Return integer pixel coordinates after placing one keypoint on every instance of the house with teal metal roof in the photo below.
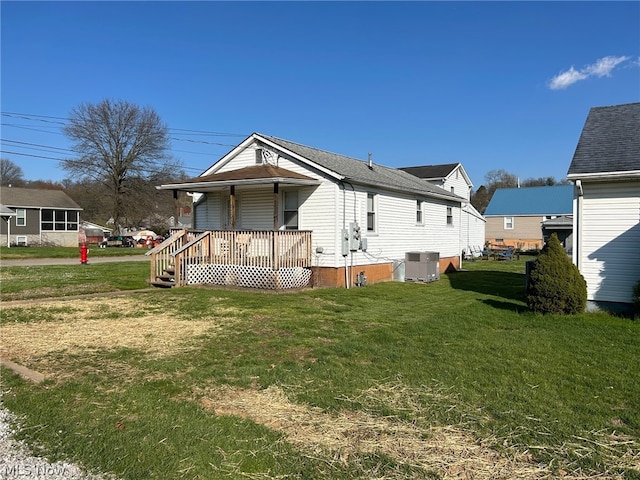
(515, 216)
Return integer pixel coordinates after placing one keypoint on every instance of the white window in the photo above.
(449, 216)
(21, 217)
(290, 211)
(418, 212)
(371, 212)
(508, 223)
(452, 189)
(258, 156)
(21, 241)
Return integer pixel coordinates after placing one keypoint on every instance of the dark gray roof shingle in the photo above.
(431, 171)
(609, 142)
(358, 171)
(35, 197)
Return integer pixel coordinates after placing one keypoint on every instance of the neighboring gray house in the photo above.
(606, 173)
(453, 178)
(42, 217)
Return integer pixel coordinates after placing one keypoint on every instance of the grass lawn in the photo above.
(15, 253)
(394, 380)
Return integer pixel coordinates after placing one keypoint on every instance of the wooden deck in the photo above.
(257, 250)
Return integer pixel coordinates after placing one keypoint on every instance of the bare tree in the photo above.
(118, 144)
(10, 173)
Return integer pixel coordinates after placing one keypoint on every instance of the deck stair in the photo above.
(166, 279)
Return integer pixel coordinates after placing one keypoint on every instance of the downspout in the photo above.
(460, 235)
(577, 220)
(344, 222)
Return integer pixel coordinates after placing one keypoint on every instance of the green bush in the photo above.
(555, 283)
(636, 298)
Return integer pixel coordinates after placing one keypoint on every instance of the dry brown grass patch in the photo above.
(448, 450)
(79, 325)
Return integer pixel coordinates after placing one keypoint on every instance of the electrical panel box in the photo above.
(422, 266)
(345, 242)
(354, 240)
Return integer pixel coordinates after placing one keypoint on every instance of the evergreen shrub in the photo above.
(555, 283)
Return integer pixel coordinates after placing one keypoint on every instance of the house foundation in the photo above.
(375, 273)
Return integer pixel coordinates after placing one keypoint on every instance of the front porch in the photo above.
(270, 259)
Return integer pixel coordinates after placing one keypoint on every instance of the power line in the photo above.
(47, 119)
(54, 124)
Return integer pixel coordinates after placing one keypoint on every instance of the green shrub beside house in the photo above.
(555, 283)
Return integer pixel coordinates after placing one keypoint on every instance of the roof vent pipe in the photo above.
(370, 162)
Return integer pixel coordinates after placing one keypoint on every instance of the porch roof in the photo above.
(253, 175)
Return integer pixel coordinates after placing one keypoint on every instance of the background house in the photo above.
(42, 217)
(93, 233)
(453, 178)
(267, 183)
(515, 216)
(606, 172)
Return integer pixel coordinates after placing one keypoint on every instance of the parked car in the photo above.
(118, 241)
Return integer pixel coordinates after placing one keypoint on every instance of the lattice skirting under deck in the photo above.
(250, 277)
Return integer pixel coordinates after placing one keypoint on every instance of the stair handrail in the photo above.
(190, 244)
(167, 241)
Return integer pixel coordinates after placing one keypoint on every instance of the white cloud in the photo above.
(601, 68)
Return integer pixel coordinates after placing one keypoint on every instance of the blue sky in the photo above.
(496, 85)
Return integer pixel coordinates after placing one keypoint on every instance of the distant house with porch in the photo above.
(516, 216)
(605, 170)
(453, 178)
(339, 215)
(42, 217)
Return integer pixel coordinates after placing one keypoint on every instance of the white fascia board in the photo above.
(600, 176)
(302, 159)
(211, 186)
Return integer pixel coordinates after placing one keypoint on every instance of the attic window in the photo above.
(258, 156)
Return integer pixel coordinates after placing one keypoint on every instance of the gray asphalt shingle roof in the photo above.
(358, 171)
(35, 197)
(609, 142)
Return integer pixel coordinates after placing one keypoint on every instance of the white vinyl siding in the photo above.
(610, 228)
(207, 213)
(458, 183)
(254, 209)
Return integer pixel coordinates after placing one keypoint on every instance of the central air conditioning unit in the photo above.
(421, 266)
